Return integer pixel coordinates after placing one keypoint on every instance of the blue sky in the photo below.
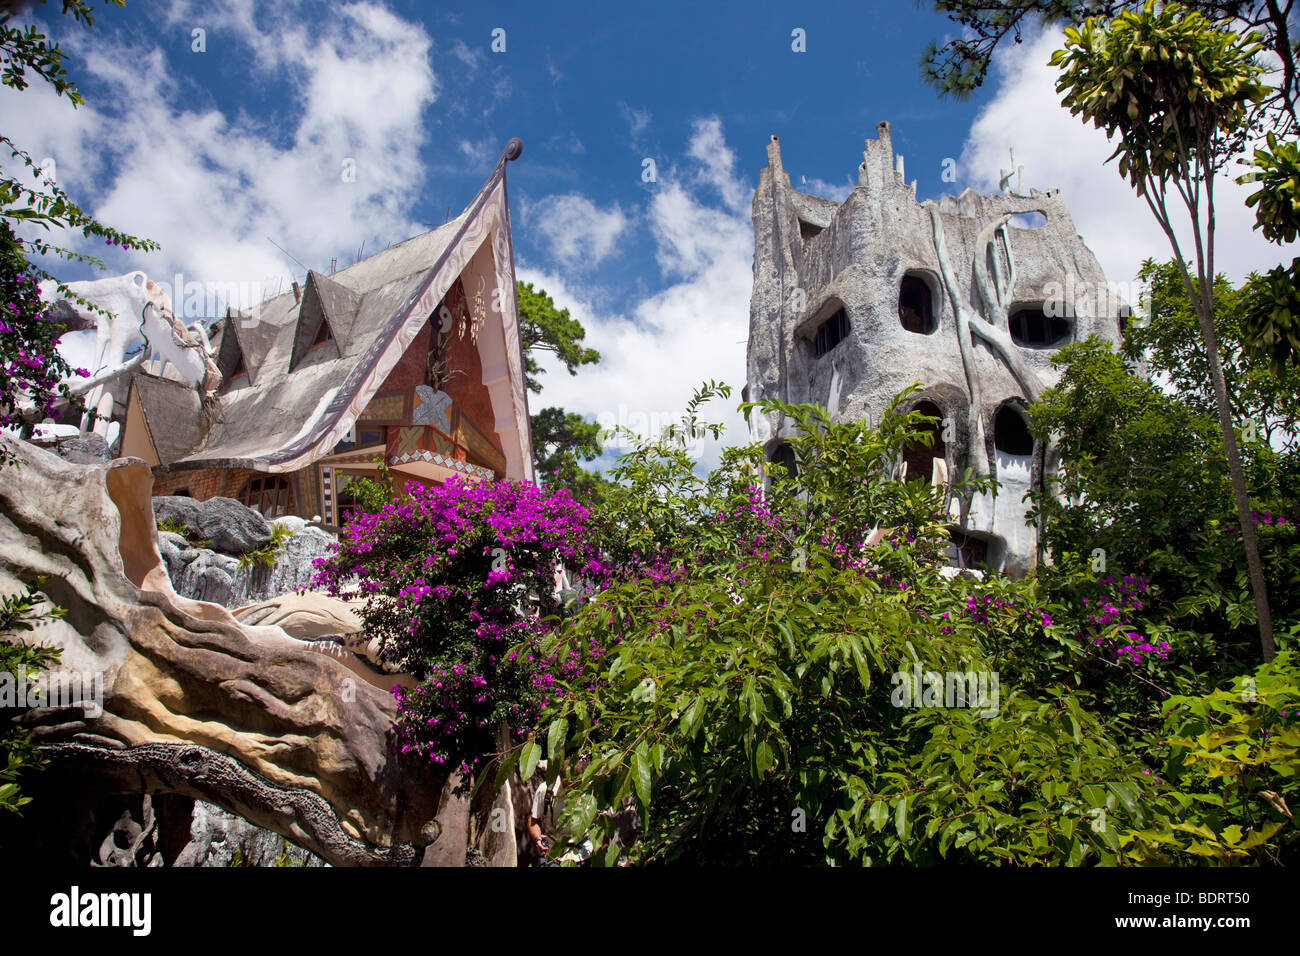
(211, 152)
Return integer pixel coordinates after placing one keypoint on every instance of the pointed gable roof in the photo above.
(373, 311)
(231, 360)
(326, 315)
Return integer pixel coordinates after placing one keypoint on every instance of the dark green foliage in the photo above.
(545, 328)
(20, 662)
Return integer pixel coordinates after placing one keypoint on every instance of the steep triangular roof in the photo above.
(302, 404)
(231, 360)
(325, 317)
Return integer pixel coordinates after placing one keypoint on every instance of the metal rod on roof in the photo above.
(361, 250)
(285, 251)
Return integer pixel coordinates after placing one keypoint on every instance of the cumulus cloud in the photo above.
(717, 161)
(820, 187)
(580, 234)
(212, 187)
(1059, 150)
(692, 329)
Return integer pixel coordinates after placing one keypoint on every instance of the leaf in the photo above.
(555, 738)
(763, 757)
(901, 823)
(643, 772)
(503, 772)
(528, 758)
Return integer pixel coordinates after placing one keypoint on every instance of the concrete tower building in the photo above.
(971, 296)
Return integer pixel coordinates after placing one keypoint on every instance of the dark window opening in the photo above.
(271, 496)
(182, 493)
(347, 502)
(966, 551)
(322, 333)
(915, 307)
(783, 455)
(807, 230)
(831, 333)
(1011, 434)
(1034, 328)
(370, 436)
(918, 457)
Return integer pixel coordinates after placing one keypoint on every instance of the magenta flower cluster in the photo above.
(31, 370)
(1115, 606)
(460, 582)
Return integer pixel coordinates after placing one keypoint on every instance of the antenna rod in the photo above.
(284, 250)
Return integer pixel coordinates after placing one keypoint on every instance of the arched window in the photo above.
(916, 306)
(1011, 433)
(1033, 328)
(783, 455)
(830, 333)
(918, 457)
(966, 550)
(271, 495)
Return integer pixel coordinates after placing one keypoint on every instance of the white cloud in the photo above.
(1060, 150)
(820, 187)
(638, 121)
(710, 147)
(211, 187)
(579, 233)
(693, 329)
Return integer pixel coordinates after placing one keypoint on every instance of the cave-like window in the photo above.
(1033, 328)
(831, 333)
(966, 550)
(1011, 434)
(783, 455)
(919, 458)
(807, 230)
(916, 306)
(272, 496)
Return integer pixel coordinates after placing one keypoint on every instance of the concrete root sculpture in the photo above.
(995, 291)
(196, 703)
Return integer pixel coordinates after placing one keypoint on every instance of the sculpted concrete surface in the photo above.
(984, 275)
(196, 703)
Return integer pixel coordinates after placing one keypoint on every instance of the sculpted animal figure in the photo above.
(140, 309)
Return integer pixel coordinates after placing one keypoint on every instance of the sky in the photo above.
(256, 140)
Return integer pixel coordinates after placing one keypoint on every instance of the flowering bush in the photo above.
(744, 693)
(459, 582)
(31, 369)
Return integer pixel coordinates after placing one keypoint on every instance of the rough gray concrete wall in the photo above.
(812, 255)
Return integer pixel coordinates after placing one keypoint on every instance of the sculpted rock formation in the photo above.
(196, 702)
(223, 522)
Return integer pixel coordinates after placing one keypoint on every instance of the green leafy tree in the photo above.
(561, 440)
(30, 367)
(1144, 494)
(741, 682)
(960, 65)
(19, 662)
(1168, 341)
(1232, 765)
(1177, 90)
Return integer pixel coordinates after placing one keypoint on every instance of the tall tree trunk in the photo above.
(1205, 315)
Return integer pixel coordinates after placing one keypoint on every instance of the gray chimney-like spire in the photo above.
(774, 153)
